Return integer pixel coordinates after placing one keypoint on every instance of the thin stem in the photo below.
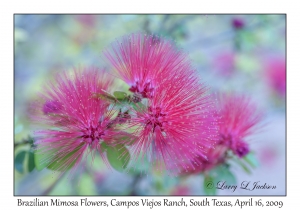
(136, 180)
(24, 142)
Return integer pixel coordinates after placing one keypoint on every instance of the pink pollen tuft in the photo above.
(239, 119)
(51, 107)
(77, 123)
(145, 61)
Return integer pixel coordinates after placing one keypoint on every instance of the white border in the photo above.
(8, 8)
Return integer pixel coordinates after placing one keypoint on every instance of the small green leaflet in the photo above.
(251, 160)
(62, 163)
(39, 160)
(243, 165)
(209, 185)
(118, 156)
(31, 164)
(105, 96)
(120, 95)
(19, 159)
(223, 173)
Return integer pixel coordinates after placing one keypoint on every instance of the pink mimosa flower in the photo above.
(239, 119)
(175, 127)
(75, 122)
(144, 61)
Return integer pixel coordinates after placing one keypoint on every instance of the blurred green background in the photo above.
(239, 53)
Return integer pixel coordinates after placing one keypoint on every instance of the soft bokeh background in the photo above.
(239, 53)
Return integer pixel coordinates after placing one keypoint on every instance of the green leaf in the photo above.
(105, 96)
(117, 156)
(19, 160)
(120, 95)
(209, 185)
(229, 177)
(31, 164)
(39, 160)
(103, 147)
(244, 166)
(65, 162)
(246, 169)
(223, 173)
(251, 160)
(30, 141)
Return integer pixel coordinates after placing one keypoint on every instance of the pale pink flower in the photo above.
(239, 120)
(275, 72)
(144, 61)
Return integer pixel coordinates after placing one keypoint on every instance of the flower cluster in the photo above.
(174, 126)
(170, 119)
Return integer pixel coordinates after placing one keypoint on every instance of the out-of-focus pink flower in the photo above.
(75, 122)
(239, 119)
(181, 190)
(87, 20)
(238, 23)
(51, 107)
(267, 156)
(275, 72)
(99, 177)
(224, 63)
(144, 61)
